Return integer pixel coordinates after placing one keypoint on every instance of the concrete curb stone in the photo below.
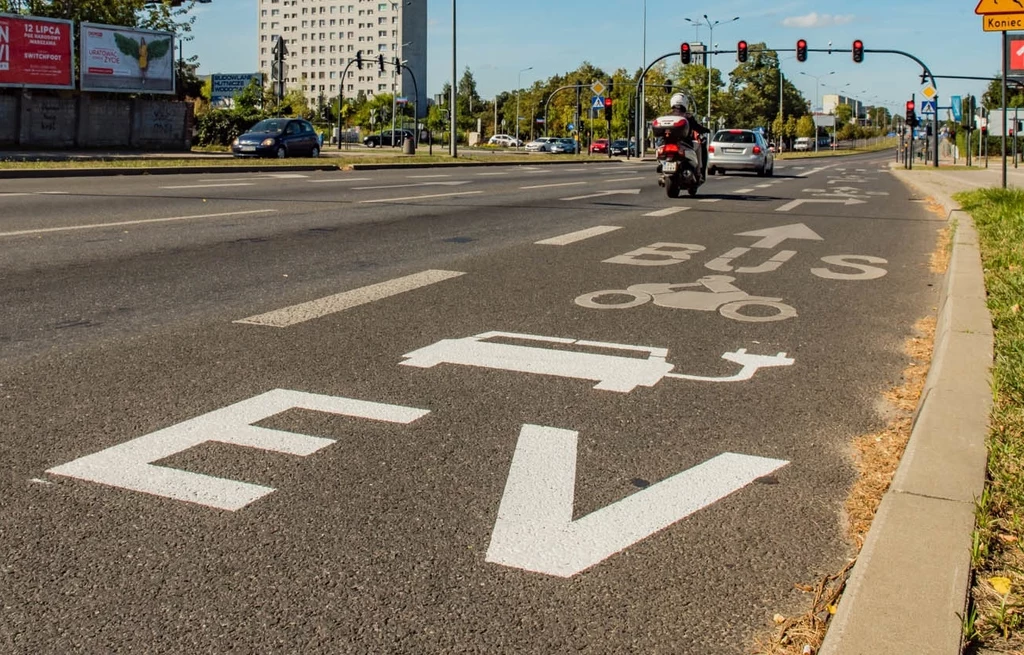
(908, 590)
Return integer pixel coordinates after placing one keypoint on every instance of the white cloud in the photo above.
(814, 19)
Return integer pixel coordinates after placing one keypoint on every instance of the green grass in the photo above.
(998, 543)
(888, 144)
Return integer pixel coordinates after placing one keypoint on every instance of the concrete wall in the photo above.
(43, 120)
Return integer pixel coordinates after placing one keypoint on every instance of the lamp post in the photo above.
(817, 82)
(707, 56)
(453, 110)
(519, 78)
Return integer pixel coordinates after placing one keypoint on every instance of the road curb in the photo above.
(908, 589)
(107, 171)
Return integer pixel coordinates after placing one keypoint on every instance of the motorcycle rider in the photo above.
(680, 102)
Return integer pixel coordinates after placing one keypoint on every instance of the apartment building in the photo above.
(323, 36)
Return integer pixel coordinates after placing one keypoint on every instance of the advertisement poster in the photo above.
(224, 87)
(36, 52)
(122, 59)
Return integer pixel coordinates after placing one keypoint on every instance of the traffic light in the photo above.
(741, 52)
(858, 51)
(610, 84)
(911, 116)
(359, 60)
(801, 50)
(684, 53)
(668, 86)
(380, 62)
(607, 109)
(398, 64)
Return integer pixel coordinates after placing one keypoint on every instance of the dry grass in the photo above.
(876, 457)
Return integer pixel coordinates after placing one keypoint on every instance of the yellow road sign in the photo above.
(999, 7)
(597, 88)
(1002, 22)
(928, 92)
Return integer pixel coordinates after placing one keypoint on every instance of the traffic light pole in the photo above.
(1005, 58)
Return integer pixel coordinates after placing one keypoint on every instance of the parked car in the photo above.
(740, 150)
(564, 146)
(623, 148)
(278, 137)
(504, 140)
(599, 146)
(388, 138)
(803, 144)
(541, 144)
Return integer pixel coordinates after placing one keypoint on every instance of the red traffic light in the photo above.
(684, 53)
(801, 50)
(741, 51)
(607, 102)
(858, 51)
(910, 105)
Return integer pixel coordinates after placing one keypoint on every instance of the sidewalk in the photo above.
(908, 590)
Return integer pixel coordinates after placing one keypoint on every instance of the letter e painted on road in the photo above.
(658, 254)
(130, 465)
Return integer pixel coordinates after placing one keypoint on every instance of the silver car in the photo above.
(541, 144)
(740, 150)
(564, 145)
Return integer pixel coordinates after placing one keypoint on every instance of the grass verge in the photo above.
(995, 619)
(888, 144)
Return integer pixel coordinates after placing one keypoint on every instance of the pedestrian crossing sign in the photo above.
(598, 102)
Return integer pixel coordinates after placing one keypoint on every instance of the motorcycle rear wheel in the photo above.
(672, 187)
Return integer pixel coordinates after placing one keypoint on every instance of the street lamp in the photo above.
(817, 83)
(707, 50)
(452, 109)
(519, 78)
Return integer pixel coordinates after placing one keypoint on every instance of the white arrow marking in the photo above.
(406, 186)
(799, 201)
(599, 194)
(535, 530)
(773, 236)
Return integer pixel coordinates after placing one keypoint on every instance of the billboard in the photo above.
(36, 52)
(224, 87)
(123, 59)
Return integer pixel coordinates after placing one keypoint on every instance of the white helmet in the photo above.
(681, 101)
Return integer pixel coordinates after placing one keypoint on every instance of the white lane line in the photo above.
(410, 186)
(208, 186)
(308, 311)
(434, 195)
(424, 177)
(353, 179)
(668, 211)
(13, 194)
(743, 191)
(763, 186)
(625, 179)
(52, 193)
(490, 174)
(141, 221)
(548, 186)
(571, 170)
(573, 237)
(710, 200)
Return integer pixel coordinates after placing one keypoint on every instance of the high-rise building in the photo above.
(323, 36)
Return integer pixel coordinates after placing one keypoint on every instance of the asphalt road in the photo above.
(392, 411)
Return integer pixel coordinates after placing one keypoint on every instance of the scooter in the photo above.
(678, 156)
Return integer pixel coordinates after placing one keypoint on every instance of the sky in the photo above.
(498, 39)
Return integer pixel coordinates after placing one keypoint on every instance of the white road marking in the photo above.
(743, 191)
(548, 186)
(763, 186)
(668, 211)
(573, 237)
(625, 179)
(287, 176)
(409, 186)
(13, 194)
(53, 193)
(353, 179)
(710, 200)
(490, 174)
(435, 195)
(793, 204)
(850, 261)
(313, 309)
(424, 177)
(130, 465)
(141, 221)
(773, 236)
(535, 531)
(599, 194)
(572, 170)
(208, 186)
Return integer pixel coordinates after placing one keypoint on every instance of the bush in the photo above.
(219, 127)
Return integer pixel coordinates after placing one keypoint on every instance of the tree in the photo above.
(805, 127)
(250, 98)
(844, 114)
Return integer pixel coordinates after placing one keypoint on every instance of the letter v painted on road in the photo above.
(535, 530)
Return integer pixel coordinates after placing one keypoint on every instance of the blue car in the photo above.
(278, 137)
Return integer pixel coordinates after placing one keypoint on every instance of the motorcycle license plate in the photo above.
(669, 167)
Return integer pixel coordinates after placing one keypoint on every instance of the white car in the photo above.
(504, 140)
(541, 144)
(804, 144)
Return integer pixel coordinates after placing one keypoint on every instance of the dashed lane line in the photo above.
(625, 179)
(668, 211)
(333, 180)
(710, 200)
(427, 197)
(573, 237)
(338, 302)
(549, 186)
(208, 186)
(142, 221)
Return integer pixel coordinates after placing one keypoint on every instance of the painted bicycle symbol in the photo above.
(708, 294)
